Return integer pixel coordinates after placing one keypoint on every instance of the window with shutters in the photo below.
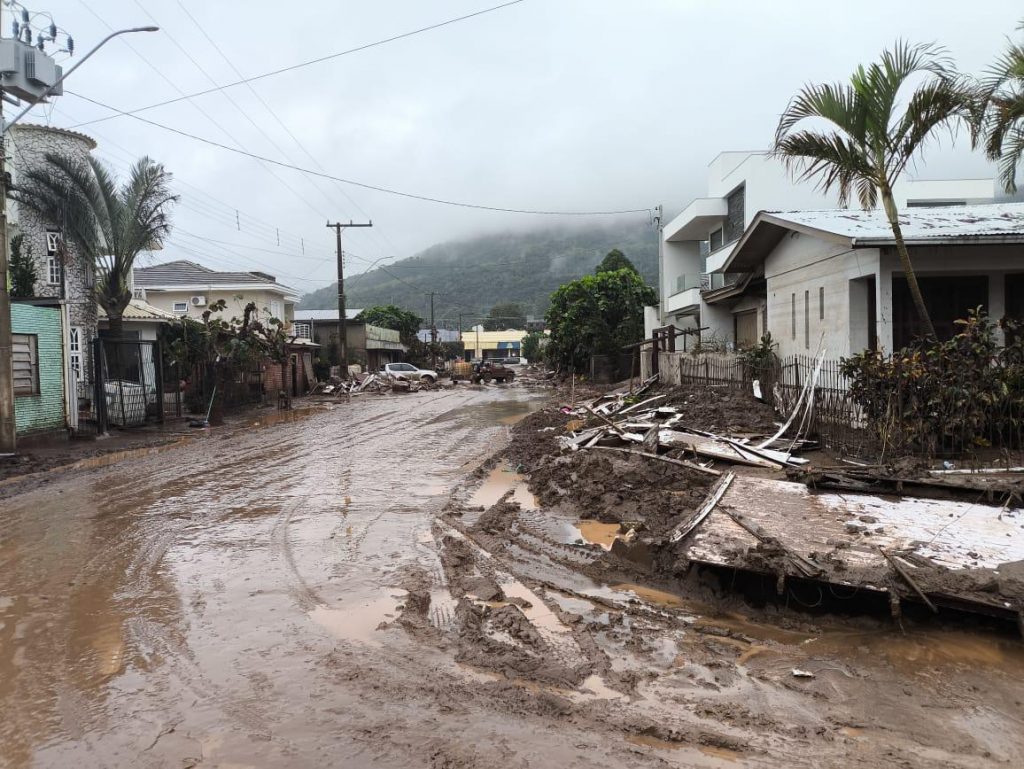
(25, 362)
(53, 271)
(75, 351)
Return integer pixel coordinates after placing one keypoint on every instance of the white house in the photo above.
(833, 278)
(700, 286)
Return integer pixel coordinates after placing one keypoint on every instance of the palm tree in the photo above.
(1003, 120)
(110, 224)
(876, 126)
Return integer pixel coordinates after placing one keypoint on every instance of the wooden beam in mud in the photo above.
(683, 529)
(679, 462)
(908, 579)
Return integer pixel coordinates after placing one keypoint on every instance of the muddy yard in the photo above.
(373, 586)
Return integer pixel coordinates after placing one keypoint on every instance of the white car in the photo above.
(410, 372)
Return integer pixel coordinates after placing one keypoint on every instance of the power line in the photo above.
(354, 183)
(319, 60)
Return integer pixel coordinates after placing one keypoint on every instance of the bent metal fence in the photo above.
(841, 424)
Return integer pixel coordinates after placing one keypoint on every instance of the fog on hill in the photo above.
(470, 276)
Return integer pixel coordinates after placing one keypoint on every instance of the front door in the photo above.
(746, 329)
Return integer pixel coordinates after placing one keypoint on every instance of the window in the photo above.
(75, 351)
(25, 362)
(181, 307)
(821, 303)
(807, 320)
(734, 218)
(275, 309)
(303, 330)
(53, 271)
(716, 239)
(792, 299)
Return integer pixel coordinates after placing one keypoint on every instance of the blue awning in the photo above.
(508, 345)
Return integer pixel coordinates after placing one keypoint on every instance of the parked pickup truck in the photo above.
(492, 370)
(410, 372)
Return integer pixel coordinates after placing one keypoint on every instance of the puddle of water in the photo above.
(917, 651)
(358, 619)
(499, 482)
(722, 753)
(648, 741)
(650, 594)
(598, 533)
(539, 615)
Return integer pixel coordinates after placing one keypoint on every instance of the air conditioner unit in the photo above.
(198, 301)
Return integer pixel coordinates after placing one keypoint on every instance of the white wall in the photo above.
(804, 266)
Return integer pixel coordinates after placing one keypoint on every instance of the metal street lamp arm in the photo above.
(78, 64)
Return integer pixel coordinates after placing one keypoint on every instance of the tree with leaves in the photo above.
(110, 224)
(596, 315)
(533, 344)
(615, 260)
(875, 125)
(22, 268)
(504, 316)
(391, 316)
(1002, 120)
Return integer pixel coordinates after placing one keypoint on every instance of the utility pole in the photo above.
(342, 342)
(433, 335)
(8, 427)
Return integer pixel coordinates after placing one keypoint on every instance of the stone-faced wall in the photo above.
(27, 147)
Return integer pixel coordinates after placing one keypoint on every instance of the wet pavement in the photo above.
(283, 597)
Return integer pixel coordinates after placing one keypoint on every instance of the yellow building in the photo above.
(492, 344)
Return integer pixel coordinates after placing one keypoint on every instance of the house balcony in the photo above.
(717, 258)
(697, 219)
(686, 294)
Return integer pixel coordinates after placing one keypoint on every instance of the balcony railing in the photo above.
(687, 282)
(716, 280)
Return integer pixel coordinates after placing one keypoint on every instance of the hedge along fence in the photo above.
(881, 407)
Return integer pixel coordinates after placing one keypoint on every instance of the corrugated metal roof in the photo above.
(325, 314)
(140, 310)
(185, 273)
(990, 220)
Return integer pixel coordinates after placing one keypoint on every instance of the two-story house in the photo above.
(187, 289)
(701, 287)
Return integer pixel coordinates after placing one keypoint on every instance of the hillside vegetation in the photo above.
(470, 276)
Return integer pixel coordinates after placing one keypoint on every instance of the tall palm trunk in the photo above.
(908, 269)
(115, 325)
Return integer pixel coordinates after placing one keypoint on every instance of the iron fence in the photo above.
(128, 385)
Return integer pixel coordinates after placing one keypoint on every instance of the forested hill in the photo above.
(471, 276)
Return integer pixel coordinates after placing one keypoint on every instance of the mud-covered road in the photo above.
(290, 597)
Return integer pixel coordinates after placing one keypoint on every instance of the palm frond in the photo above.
(941, 103)
(830, 159)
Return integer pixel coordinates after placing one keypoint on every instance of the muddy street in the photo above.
(364, 588)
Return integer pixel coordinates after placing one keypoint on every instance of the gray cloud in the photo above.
(548, 104)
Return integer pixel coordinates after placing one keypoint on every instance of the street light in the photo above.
(78, 64)
(8, 428)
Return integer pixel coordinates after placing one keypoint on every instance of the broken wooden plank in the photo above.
(642, 403)
(683, 529)
(679, 462)
(908, 579)
(806, 567)
(713, 448)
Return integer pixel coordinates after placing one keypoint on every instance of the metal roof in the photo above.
(325, 314)
(917, 223)
(992, 223)
(142, 311)
(184, 273)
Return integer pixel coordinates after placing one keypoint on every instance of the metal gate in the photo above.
(129, 383)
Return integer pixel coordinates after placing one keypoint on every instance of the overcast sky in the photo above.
(545, 104)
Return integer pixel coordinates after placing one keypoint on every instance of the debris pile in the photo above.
(370, 382)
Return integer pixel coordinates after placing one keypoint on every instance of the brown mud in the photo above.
(325, 593)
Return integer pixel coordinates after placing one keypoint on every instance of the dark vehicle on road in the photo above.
(492, 370)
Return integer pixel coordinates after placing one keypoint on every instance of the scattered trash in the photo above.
(798, 673)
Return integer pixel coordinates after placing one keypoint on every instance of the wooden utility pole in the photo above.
(433, 335)
(342, 342)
